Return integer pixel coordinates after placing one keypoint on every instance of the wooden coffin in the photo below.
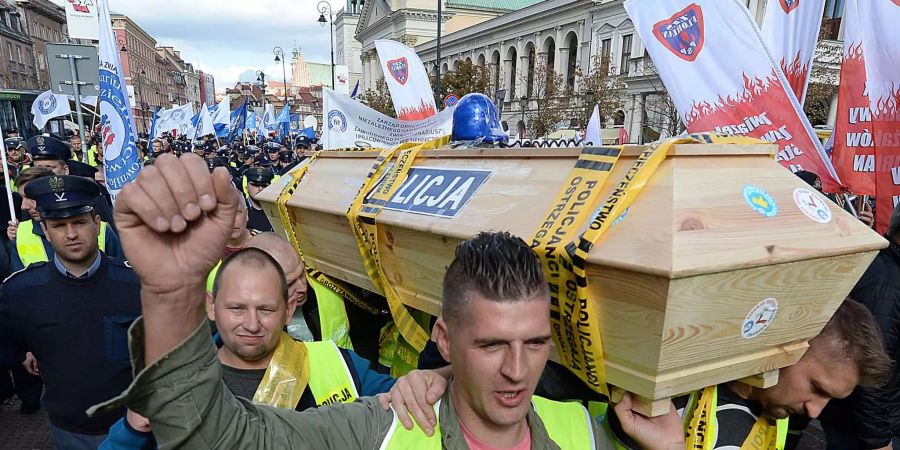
(674, 282)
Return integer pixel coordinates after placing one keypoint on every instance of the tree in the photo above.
(549, 94)
(379, 98)
(467, 78)
(598, 87)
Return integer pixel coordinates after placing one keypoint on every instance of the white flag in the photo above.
(790, 31)
(121, 159)
(204, 123)
(407, 80)
(592, 133)
(349, 123)
(177, 118)
(47, 106)
(223, 111)
(715, 66)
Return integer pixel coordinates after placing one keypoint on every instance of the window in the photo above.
(831, 23)
(19, 53)
(9, 51)
(626, 53)
(605, 48)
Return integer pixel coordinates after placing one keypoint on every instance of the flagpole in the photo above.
(9, 197)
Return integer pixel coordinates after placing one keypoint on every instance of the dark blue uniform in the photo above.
(77, 330)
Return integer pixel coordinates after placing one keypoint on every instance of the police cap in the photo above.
(44, 146)
(81, 169)
(62, 196)
(12, 143)
(259, 176)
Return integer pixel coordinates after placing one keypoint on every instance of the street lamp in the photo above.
(279, 57)
(523, 102)
(324, 7)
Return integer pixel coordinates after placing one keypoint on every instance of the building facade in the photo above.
(207, 88)
(144, 77)
(19, 85)
(46, 23)
(414, 22)
(347, 49)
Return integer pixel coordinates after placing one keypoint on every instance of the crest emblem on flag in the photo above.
(790, 5)
(399, 69)
(682, 33)
(47, 105)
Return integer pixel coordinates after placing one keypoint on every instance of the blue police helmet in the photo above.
(475, 118)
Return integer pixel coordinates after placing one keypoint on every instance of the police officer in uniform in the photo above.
(29, 243)
(53, 153)
(258, 178)
(73, 312)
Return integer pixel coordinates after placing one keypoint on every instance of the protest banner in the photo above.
(790, 31)
(407, 80)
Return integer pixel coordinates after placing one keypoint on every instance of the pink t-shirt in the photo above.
(475, 444)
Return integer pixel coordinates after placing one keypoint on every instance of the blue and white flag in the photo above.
(283, 121)
(355, 90)
(204, 124)
(153, 124)
(47, 106)
(222, 111)
(121, 158)
(268, 119)
(238, 123)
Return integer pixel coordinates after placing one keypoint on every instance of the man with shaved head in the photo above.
(325, 314)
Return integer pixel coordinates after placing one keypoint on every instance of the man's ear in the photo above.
(43, 227)
(441, 337)
(210, 307)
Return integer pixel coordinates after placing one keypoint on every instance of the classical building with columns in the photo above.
(414, 22)
(567, 35)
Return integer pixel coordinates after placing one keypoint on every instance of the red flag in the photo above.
(878, 20)
(854, 152)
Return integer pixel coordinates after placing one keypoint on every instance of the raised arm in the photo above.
(173, 223)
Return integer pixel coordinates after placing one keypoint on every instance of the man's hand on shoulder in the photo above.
(174, 220)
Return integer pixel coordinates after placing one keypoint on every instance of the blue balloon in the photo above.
(475, 118)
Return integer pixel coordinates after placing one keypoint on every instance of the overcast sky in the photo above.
(232, 39)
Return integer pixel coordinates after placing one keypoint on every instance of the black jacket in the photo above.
(873, 415)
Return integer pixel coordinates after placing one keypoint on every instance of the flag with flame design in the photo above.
(711, 57)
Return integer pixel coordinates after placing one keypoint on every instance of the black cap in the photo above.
(62, 196)
(272, 147)
(259, 176)
(263, 161)
(218, 161)
(45, 146)
(80, 169)
(285, 157)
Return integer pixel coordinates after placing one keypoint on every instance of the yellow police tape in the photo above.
(576, 329)
(700, 425)
(286, 376)
(368, 203)
(337, 286)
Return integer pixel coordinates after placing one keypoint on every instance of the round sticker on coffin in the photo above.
(812, 205)
(760, 200)
(759, 318)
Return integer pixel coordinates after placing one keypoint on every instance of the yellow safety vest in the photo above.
(30, 246)
(296, 365)
(92, 156)
(332, 315)
(330, 380)
(567, 424)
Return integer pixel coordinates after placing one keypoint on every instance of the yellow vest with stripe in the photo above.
(30, 246)
(568, 425)
(332, 314)
(330, 380)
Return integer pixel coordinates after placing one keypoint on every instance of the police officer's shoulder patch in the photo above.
(120, 269)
